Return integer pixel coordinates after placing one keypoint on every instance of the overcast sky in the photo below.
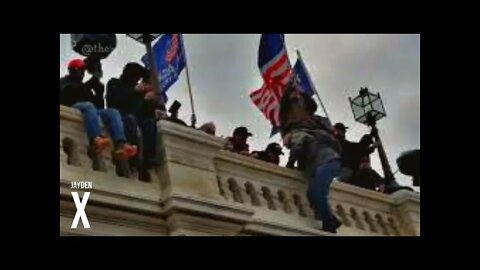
(223, 71)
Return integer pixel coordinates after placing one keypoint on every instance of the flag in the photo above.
(303, 78)
(170, 59)
(275, 68)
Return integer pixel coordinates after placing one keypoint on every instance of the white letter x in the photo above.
(80, 210)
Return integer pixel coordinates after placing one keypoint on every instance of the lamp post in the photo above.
(147, 39)
(94, 47)
(367, 109)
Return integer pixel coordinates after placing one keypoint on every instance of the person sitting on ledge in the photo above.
(352, 152)
(271, 154)
(366, 177)
(76, 94)
(140, 108)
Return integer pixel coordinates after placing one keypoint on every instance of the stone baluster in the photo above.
(221, 187)
(298, 203)
(356, 219)
(269, 198)
(393, 226)
(370, 222)
(253, 194)
(63, 154)
(70, 147)
(285, 202)
(235, 190)
(343, 215)
(382, 224)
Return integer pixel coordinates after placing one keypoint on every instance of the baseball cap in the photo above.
(77, 64)
(242, 131)
(275, 148)
(341, 126)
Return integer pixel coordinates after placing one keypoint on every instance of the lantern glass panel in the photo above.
(357, 111)
(378, 106)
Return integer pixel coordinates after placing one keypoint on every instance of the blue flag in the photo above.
(303, 79)
(170, 59)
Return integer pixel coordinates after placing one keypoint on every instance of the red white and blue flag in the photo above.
(170, 59)
(276, 72)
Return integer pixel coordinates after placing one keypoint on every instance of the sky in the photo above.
(223, 71)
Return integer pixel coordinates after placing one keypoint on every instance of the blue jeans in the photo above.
(110, 117)
(319, 189)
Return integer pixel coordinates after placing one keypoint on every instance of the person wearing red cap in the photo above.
(74, 93)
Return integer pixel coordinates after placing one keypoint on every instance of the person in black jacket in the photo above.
(271, 154)
(74, 93)
(140, 109)
(352, 153)
(366, 177)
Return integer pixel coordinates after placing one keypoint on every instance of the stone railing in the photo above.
(200, 189)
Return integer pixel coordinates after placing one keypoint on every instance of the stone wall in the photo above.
(199, 189)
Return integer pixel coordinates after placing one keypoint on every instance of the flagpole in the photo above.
(313, 86)
(194, 118)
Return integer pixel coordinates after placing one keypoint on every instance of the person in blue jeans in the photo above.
(314, 148)
(140, 108)
(76, 94)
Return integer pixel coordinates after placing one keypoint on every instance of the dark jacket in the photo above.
(232, 146)
(263, 155)
(366, 178)
(123, 97)
(353, 152)
(72, 92)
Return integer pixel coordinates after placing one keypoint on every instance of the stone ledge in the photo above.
(270, 228)
(219, 209)
(250, 162)
(110, 183)
(70, 114)
(101, 213)
(402, 196)
(188, 133)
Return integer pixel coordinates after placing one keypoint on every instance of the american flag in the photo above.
(276, 72)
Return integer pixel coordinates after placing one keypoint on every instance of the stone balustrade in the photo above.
(200, 189)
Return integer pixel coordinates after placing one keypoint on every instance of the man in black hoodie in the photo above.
(352, 152)
(74, 93)
(140, 108)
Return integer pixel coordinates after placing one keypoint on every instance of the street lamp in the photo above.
(367, 109)
(94, 47)
(147, 39)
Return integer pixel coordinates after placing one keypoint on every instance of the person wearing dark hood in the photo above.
(271, 154)
(88, 99)
(140, 109)
(352, 152)
(311, 143)
(238, 142)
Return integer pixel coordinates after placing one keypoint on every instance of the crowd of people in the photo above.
(133, 108)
